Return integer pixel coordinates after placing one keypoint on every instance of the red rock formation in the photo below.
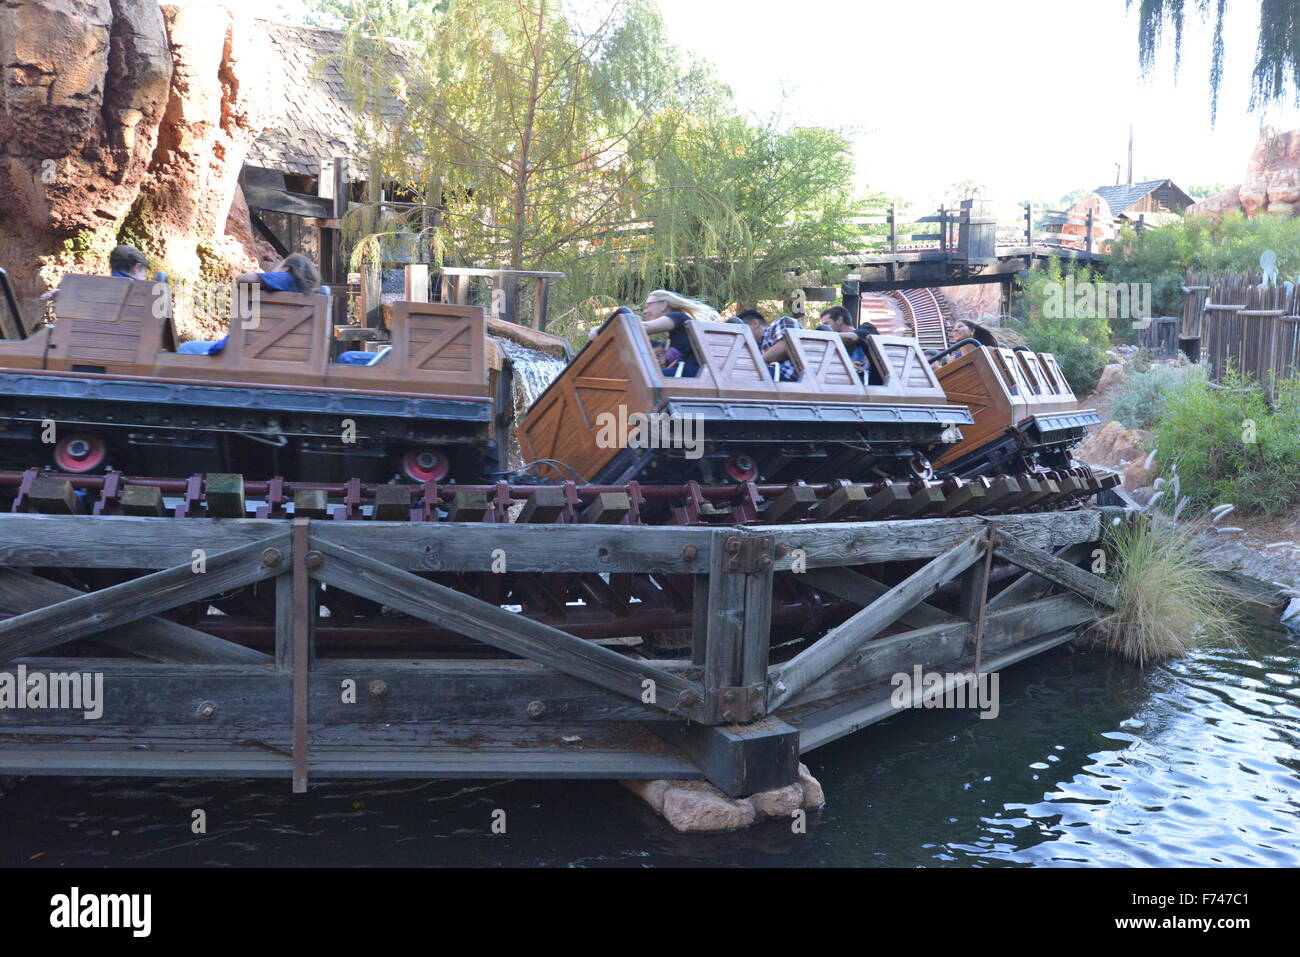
(1076, 222)
(1272, 182)
(124, 121)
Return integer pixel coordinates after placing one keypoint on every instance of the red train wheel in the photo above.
(741, 467)
(80, 453)
(425, 465)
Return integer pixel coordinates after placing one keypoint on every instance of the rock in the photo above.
(778, 802)
(813, 795)
(652, 792)
(1114, 446)
(1076, 222)
(692, 809)
(1137, 476)
(1110, 375)
(83, 87)
(1291, 616)
(1271, 184)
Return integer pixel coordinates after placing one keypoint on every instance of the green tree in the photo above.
(1078, 338)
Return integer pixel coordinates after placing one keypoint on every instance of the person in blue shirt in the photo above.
(294, 273)
(124, 262)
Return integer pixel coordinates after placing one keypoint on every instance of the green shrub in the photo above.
(1139, 399)
(1079, 342)
(1228, 445)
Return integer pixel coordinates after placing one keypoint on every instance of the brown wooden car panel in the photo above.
(909, 380)
(105, 324)
(615, 369)
(826, 373)
(974, 380)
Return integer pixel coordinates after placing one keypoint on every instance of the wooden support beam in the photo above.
(156, 639)
(468, 507)
(739, 759)
(304, 612)
(423, 599)
(791, 505)
(842, 502)
(788, 679)
(1030, 587)
(862, 590)
(87, 614)
(854, 543)
(888, 501)
(1090, 586)
(945, 647)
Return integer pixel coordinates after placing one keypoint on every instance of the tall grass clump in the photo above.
(1169, 599)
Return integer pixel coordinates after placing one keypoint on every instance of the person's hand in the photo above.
(591, 334)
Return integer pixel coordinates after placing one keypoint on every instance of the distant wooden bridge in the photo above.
(965, 249)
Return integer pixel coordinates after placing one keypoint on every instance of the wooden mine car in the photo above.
(827, 425)
(1025, 413)
(272, 402)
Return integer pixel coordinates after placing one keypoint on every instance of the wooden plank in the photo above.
(363, 575)
(739, 759)
(311, 503)
(790, 678)
(861, 589)
(756, 632)
(154, 638)
(859, 543)
(122, 604)
(724, 630)
(429, 547)
(451, 692)
(543, 506)
(1030, 587)
(946, 647)
(1090, 586)
(416, 282)
(304, 612)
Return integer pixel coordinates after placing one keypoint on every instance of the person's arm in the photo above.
(777, 353)
(662, 324)
(248, 277)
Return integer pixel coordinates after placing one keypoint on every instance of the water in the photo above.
(533, 372)
(1091, 762)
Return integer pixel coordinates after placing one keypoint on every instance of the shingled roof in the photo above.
(315, 116)
(1120, 198)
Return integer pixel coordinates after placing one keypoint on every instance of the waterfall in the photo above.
(532, 371)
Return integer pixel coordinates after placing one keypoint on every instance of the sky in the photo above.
(1030, 98)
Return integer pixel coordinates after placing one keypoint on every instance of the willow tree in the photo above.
(737, 205)
(1276, 76)
(515, 119)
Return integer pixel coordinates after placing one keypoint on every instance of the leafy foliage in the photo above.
(1162, 256)
(1079, 342)
(1138, 401)
(576, 138)
(1228, 445)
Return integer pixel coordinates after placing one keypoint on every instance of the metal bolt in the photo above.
(687, 698)
(378, 688)
(728, 696)
(314, 560)
(271, 557)
(690, 553)
(733, 545)
(535, 709)
(726, 716)
(207, 709)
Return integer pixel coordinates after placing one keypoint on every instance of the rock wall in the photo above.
(1271, 184)
(124, 121)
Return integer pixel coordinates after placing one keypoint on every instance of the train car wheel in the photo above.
(80, 453)
(425, 465)
(741, 467)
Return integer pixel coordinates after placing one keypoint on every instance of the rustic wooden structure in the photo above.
(1239, 321)
(537, 701)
